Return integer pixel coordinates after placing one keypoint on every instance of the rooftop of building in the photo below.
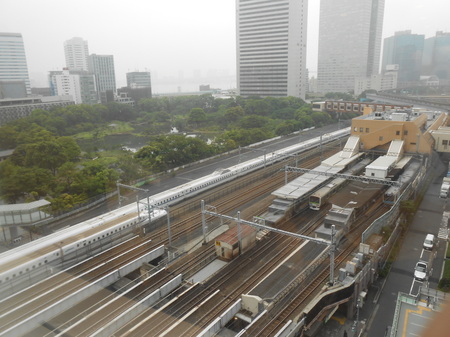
(231, 236)
(414, 314)
(34, 100)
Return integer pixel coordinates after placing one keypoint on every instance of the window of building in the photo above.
(361, 129)
(355, 129)
(381, 138)
(445, 142)
(367, 130)
(405, 132)
(397, 133)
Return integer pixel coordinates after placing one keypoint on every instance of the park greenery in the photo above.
(65, 155)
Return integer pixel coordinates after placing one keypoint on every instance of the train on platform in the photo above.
(392, 194)
(25, 260)
(321, 196)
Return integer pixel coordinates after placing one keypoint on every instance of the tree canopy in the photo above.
(59, 154)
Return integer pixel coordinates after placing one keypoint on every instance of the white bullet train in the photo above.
(218, 177)
(81, 240)
(64, 248)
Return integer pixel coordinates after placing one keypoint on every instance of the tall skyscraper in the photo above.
(13, 64)
(271, 47)
(77, 52)
(436, 57)
(404, 49)
(102, 66)
(349, 42)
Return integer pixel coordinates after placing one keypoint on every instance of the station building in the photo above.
(376, 130)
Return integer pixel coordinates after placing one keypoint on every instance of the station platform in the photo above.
(308, 182)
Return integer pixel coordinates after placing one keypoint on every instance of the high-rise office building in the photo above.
(404, 49)
(102, 66)
(349, 42)
(77, 52)
(13, 65)
(436, 57)
(271, 47)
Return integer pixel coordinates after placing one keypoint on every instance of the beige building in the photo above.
(378, 129)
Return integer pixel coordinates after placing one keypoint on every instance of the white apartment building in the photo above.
(349, 43)
(77, 53)
(65, 84)
(80, 85)
(271, 47)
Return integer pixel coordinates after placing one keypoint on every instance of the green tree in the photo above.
(321, 118)
(16, 182)
(196, 116)
(94, 179)
(233, 114)
(169, 151)
(119, 112)
(8, 137)
(287, 127)
(305, 121)
(339, 95)
(257, 107)
(48, 155)
(66, 176)
(253, 121)
(69, 147)
(241, 137)
(161, 117)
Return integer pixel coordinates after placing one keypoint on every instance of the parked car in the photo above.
(420, 271)
(429, 242)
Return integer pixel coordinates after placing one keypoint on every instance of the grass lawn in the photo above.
(112, 128)
(446, 273)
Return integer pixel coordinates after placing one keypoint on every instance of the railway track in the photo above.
(262, 271)
(292, 307)
(181, 227)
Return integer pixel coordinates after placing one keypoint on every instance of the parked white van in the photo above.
(429, 242)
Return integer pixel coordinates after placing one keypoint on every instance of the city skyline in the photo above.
(174, 39)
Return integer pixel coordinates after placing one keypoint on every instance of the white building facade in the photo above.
(271, 47)
(76, 52)
(385, 81)
(66, 84)
(349, 43)
(80, 85)
(13, 61)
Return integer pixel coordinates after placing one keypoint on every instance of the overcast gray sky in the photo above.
(170, 37)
